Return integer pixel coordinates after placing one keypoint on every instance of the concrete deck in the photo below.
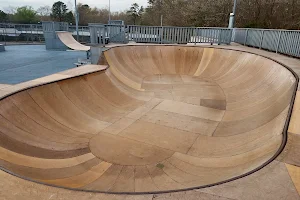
(21, 63)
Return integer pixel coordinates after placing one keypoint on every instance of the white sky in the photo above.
(116, 5)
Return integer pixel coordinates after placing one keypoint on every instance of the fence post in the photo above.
(81, 40)
(162, 35)
(262, 39)
(31, 33)
(278, 42)
(195, 35)
(5, 35)
(126, 34)
(53, 29)
(231, 36)
(219, 38)
(15, 32)
(246, 37)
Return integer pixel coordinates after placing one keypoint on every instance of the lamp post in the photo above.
(109, 11)
(234, 12)
(232, 16)
(76, 19)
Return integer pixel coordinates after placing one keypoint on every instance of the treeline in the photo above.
(250, 13)
(277, 14)
(59, 12)
(27, 15)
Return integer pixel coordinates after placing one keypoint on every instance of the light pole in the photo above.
(234, 12)
(76, 19)
(232, 16)
(108, 11)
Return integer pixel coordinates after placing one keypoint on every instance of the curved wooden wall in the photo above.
(160, 118)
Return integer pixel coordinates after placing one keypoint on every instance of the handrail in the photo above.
(276, 40)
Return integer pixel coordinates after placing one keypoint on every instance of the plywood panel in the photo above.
(158, 118)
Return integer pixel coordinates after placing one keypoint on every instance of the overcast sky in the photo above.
(116, 5)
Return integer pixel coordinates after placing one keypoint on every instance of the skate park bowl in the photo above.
(158, 119)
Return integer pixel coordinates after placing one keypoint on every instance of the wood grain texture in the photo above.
(294, 126)
(158, 118)
(294, 172)
(68, 39)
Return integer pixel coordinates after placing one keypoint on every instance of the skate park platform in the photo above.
(155, 119)
(21, 63)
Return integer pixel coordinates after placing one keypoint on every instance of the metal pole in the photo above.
(108, 11)
(161, 20)
(262, 39)
(278, 42)
(76, 19)
(234, 12)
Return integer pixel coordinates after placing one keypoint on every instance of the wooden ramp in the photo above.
(68, 39)
(160, 118)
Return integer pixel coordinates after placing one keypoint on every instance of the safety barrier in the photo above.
(279, 41)
(179, 35)
(21, 33)
(101, 33)
(83, 33)
(158, 34)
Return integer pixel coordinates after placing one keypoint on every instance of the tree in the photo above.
(250, 13)
(70, 17)
(44, 13)
(85, 14)
(135, 12)
(3, 16)
(59, 11)
(25, 15)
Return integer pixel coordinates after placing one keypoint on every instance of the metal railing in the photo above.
(84, 33)
(98, 33)
(159, 35)
(279, 41)
(35, 32)
(179, 35)
(21, 32)
(117, 33)
(55, 26)
(101, 32)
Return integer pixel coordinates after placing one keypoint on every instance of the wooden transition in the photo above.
(159, 118)
(68, 39)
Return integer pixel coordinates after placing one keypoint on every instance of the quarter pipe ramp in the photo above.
(68, 39)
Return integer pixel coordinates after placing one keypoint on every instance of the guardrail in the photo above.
(179, 35)
(35, 32)
(55, 26)
(99, 33)
(117, 33)
(83, 32)
(280, 41)
(21, 32)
